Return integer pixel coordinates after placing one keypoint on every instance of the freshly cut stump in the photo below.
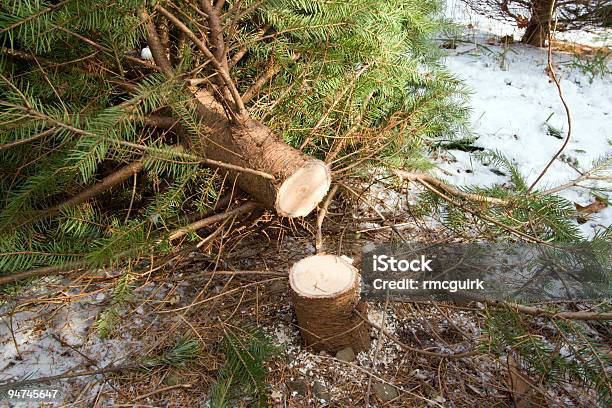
(300, 181)
(325, 292)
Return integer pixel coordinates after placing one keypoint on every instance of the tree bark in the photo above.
(325, 291)
(301, 181)
(537, 31)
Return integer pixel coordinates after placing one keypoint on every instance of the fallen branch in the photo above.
(478, 214)
(583, 177)
(424, 179)
(536, 311)
(539, 312)
(67, 375)
(244, 208)
(47, 270)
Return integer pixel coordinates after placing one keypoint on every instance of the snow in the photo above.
(52, 338)
(146, 54)
(513, 97)
(460, 13)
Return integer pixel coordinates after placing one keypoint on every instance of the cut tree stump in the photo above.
(300, 181)
(325, 290)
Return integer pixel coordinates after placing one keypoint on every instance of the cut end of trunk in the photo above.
(303, 190)
(322, 276)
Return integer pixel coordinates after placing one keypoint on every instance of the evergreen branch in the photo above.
(103, 185)
(33, 138)
(589, 175)
(33, 16)
(485, 217)
(38, 115)
(244, 370)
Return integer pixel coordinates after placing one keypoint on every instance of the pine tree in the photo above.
(102, 151)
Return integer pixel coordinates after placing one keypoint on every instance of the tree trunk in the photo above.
(325, 292)
(536, 32)
(300, 181)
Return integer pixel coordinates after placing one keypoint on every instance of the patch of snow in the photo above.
(146, 54)
(514, 101)
(54, 340)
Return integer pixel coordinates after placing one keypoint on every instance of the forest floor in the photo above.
(48, 327)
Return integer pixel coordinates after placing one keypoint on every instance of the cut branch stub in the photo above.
(300, 183)
(325, 292)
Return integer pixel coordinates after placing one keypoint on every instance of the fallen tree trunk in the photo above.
(300, 181)
(325, 292)
(231, 136)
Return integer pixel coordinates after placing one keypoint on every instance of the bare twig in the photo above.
(377, 350)
(539, 312)
(163, 389)
(67, 375)
(272, 70)
(244, 208)
(321, 217)
(553, 75)
(47, 270)
(427, 179)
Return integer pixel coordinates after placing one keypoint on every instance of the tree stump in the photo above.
(325, 292)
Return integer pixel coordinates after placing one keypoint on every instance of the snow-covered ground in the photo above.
(513, 98)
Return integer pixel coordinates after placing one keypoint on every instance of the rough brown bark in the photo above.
(328, 321)
(250, 144)
(536, 32)
(294, 183)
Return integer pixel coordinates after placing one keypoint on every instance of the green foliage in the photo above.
(73, 109)
(556, 353)
(185, 350)
(547, 217)
(244, 371)
(367, 71)
(594, 66)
